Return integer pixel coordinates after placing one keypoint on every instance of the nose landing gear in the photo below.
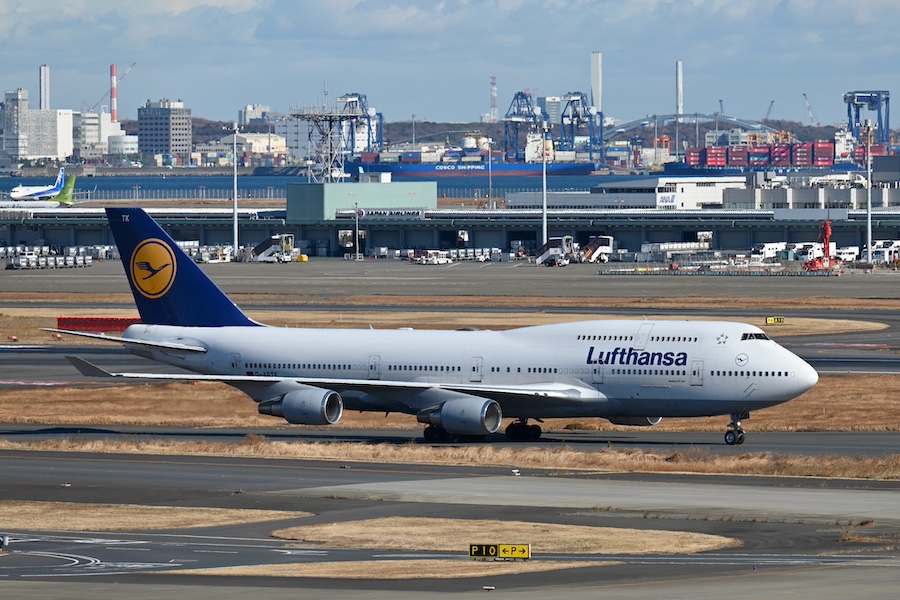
(735, 433)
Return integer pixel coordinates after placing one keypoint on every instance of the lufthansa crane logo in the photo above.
(153, 268)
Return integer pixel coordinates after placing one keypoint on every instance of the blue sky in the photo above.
(434, 59)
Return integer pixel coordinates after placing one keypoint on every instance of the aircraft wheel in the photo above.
(730, 438)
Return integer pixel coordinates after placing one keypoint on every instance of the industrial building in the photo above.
(165, 128)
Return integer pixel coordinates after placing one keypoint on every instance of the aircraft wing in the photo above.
(556, 391)
(129, 342)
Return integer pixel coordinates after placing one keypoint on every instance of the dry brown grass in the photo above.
(70, 516)
(837, 403)
(560, 458)
(397, 569)
(455, 535)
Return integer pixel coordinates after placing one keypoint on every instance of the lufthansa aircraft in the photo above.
(39, 192)
(459, 383)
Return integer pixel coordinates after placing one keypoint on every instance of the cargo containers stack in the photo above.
(717, 156)
(803, 154)
(738, 156)
(780, 155)
(823, 153)
(759, 156)
(694, 157)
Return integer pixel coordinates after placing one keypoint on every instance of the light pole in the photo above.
(868, 128)
(545, 127)
(490, 181)
(234, 131)
(414, 131)
(356, 232)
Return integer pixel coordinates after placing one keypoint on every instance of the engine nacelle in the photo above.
(311, 406)
(635, 421)
(465, 416)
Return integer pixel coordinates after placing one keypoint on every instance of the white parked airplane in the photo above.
(459, 383)
(62, 200)
(39, 192)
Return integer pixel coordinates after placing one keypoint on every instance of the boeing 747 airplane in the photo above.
(458, 383)
(39, 192)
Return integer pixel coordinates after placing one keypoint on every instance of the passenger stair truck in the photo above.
(275, 249)
(556, 251)
(600, 248)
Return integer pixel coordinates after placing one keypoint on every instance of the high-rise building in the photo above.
(165, 127)
(15, 138)
(35, 134)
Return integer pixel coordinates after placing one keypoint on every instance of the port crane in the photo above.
(878, 101)
(521, 115)
(577, 113)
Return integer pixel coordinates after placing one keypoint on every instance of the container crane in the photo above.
(877, 101)
(577, 113)
(520, 115)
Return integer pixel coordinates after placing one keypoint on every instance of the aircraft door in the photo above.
(237, 364)
(643, 334)
(696, 372)
(597, 373)
(375, 366)
(476, 373)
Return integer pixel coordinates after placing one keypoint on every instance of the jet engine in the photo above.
(635, 421)
(312, 406)
(465, 416)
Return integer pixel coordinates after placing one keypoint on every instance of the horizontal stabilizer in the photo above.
(87, 369)
(129, 341)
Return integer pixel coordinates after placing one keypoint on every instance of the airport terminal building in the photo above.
(405, 215)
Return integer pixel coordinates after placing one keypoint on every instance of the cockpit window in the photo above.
(754, 336)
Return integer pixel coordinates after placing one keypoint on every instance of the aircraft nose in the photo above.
(807, 376)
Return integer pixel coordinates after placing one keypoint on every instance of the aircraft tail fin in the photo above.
(59, 178)
(168, 287)
(65, 196)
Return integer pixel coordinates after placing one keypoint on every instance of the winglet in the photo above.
(87, 369)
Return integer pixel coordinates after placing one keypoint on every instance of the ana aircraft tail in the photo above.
(168, 287)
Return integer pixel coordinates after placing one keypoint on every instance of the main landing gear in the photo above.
(735, 433)
(521, 431)
(433, 433)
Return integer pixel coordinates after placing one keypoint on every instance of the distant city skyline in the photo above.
(435, 59)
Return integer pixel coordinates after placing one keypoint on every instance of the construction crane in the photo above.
(106, 95)
(812, 119)
(769, 112)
